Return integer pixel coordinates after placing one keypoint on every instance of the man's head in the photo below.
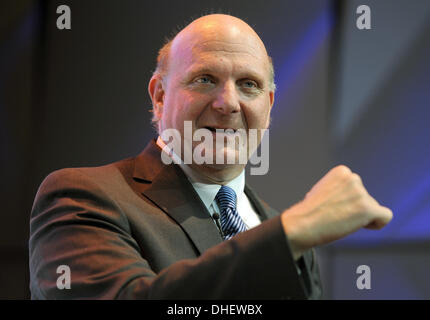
(217, 74)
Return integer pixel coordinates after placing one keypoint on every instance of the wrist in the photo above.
(291, 223)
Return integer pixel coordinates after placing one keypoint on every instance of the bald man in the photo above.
(147, 228)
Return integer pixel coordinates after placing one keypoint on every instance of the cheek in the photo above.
(175, 106)
(257, 116)
(188, 105)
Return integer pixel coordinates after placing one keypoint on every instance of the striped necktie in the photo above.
(231, 222)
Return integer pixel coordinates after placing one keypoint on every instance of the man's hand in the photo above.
(335, 207)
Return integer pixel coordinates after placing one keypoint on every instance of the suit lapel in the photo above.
(262, 209)
(168, 188)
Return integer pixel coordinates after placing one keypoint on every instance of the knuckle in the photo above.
(342, 170)
(358, 190)
(388, 213)
(355, 178)
(357, 186)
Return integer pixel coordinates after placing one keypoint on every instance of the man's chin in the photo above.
(220, 157)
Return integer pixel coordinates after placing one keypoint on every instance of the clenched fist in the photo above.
(335, 207)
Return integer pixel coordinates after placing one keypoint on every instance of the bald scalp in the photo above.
(214, 24)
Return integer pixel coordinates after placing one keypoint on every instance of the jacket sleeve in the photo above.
(75, 223)
(310, 275)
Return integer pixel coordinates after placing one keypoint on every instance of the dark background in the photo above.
(78, 97)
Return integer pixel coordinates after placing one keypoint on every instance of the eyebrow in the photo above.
(213, 69)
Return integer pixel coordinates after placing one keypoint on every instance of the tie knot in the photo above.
(226, 198)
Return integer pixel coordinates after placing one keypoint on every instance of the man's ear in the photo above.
(156, 92)
(271, 101)
(272, 98)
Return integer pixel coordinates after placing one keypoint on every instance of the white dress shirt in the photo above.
(207, 190)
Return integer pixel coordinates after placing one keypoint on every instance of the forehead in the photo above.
(221, 54)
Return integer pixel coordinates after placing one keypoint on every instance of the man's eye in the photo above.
(203, 80)
(249, 84)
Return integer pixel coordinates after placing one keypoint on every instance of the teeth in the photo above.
(226, 130)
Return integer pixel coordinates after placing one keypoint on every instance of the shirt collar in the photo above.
(206, 189)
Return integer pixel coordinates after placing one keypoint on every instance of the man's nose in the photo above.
(227, 99)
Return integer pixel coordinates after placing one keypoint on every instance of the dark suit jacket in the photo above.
(136, 229)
